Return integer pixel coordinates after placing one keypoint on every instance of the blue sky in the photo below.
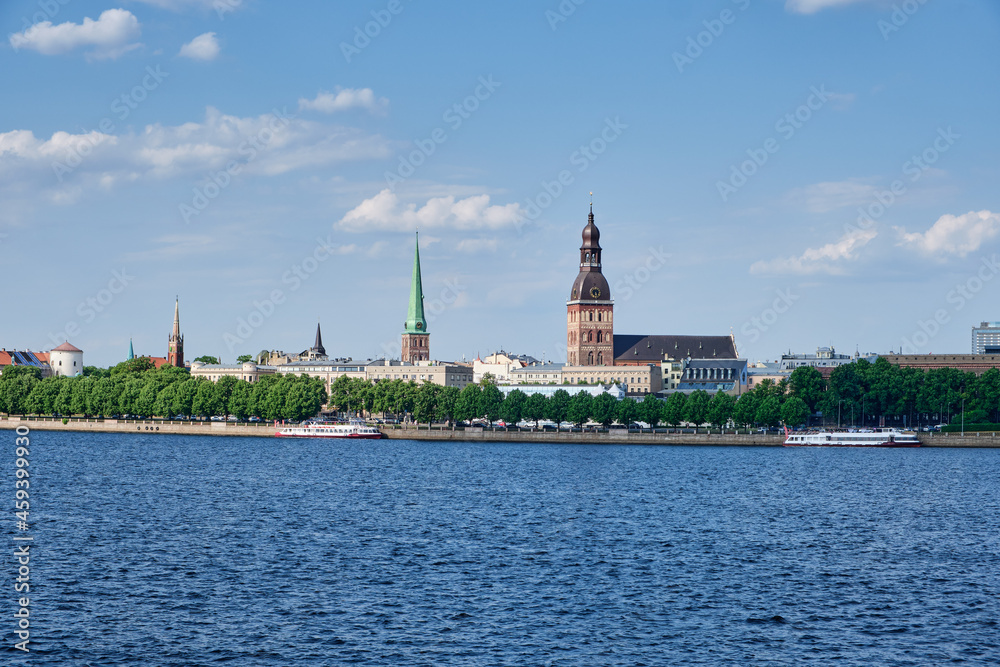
(255, 159)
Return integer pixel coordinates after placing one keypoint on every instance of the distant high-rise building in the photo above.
(175, 346)
(986, 338)
(416, 341)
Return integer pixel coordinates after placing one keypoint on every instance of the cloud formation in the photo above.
(345, 98)
(385, 212)
(202, 47)
(831, 195)
(270, 144)
(825, 259)
(813, 6)
(109, 36)
(953, 235)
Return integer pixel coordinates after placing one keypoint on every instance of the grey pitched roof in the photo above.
(652, 349)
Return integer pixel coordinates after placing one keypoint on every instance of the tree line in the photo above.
(135, 388)
(860, 393)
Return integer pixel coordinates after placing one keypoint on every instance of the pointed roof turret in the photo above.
(415, 322)
(131, 354)
(177, 319)
(318, 345)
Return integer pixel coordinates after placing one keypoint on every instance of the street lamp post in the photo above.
(838, 412)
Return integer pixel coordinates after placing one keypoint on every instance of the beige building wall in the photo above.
(639, 379)
(249, 371)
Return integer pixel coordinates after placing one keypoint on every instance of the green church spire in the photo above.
(131, 354)
(415, 322)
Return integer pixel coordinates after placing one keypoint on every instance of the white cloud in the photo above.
(813, 6)
(202, 47)
(953, 235)
(831, 195)
(825, 259)
(265, 145)
(220, 6)
(110, 35)
(473, 246)
(345, 98)
(385, 212)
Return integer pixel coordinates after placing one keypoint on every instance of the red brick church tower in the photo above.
(589, 316)
(175, 346)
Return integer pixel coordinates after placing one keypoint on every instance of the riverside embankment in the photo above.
(409, 432)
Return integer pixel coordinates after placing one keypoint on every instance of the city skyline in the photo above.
(784, 187)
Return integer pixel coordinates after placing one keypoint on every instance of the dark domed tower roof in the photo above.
(590, 283)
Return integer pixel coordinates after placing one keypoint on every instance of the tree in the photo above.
(224, 388)
(672, 409)
(239, 400)
(514, 406)
(467, 405)
(447, 401)
(489, 401)
(649, 410)
(425, 402)
(603, 409)
(627, 411)
(557, 407)
(536, 407)
(794, 412)
(696, 407)
(487, 379)
(806, 383)
(16, 387)
(207, 359)
(720, 410)
(768, 411)
(134, 366)
(243, 358)
(745, 410)
(206, 402)
(95, 372)
(580, 408)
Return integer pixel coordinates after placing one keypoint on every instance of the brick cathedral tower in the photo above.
(416, 342)
(175, 347)
(589, 323)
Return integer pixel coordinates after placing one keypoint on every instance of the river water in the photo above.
(185, 550)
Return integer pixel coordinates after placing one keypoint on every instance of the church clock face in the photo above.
(595, 292)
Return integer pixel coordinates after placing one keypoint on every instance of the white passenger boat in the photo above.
(879, 437)
(355, 430)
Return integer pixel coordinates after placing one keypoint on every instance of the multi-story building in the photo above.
(39, 360)
(967, 363)
(438, 372)
(636, 380)
(248, 371)
(986, 338)
(714, 375)
(825, 357)
(548, 390)
(538, 373)
(500, 365)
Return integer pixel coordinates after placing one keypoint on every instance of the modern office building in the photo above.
(986, 338)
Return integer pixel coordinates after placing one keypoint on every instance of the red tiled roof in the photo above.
(66, 347)
(4, 358)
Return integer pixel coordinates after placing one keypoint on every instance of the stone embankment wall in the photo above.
(266, 429)
(140, 426)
